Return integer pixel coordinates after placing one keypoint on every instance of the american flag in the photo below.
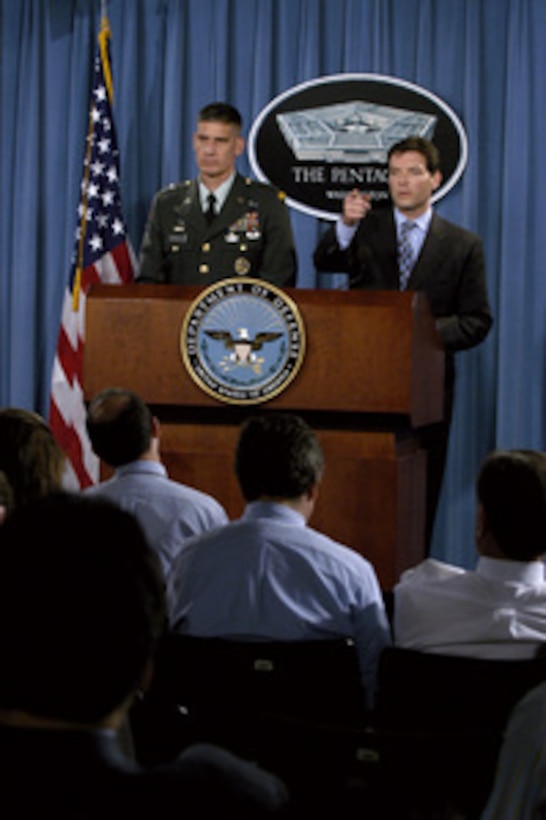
(102, 253)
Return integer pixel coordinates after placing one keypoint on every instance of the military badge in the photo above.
(242, 265)
(253, 225)
(252, 221)
(239, 226)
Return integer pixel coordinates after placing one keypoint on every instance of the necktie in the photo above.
(405, 253)
(210, 213)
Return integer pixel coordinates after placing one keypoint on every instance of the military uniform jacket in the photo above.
(251, 236)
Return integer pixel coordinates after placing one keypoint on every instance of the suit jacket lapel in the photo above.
(388, 252)
(430, 256)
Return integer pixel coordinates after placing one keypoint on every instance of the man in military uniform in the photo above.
(219, 225)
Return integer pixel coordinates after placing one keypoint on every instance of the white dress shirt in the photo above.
(496, 611)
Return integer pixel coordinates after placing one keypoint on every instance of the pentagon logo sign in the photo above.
(242, 341)
(318, 140)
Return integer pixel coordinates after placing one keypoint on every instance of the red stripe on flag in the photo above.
(69, 359)
(123, 261)
(69, 441)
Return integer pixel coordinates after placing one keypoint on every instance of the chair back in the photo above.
(440, 722)
(246, 694)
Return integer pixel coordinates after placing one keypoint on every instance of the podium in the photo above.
(372, 376)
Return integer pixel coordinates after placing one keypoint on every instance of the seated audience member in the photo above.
(125, 435)
(30, 458)
(499, 609)
(520, 783)
(268, 575)
(81, 609)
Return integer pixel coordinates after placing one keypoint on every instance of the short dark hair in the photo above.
(30, 457)
(511, 487)
(81, 607)
(120, 426)
(277, 455)
(220, 112)
(423, 146)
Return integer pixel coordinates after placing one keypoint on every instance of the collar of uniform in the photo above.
(530, 573)
(221, 193)
(143, 467)
(272, 510)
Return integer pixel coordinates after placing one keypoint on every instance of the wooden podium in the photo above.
(372, 375)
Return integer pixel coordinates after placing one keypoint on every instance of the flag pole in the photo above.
(104, 38)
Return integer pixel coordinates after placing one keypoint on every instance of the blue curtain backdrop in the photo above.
(485, 58)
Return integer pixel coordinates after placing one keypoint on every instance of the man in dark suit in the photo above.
(410, 246)
(221, 224)
(81, 608)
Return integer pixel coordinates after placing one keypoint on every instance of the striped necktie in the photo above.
(405, 253)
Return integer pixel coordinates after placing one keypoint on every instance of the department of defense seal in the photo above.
(242, 340)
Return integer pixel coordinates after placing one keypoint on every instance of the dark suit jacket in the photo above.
(450, 269)
(250, 236)
(76, 775)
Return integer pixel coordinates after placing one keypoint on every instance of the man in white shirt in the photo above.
(125, 435)
(499, 609)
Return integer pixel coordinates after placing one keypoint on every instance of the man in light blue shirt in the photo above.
(268, 576)
(125, 435)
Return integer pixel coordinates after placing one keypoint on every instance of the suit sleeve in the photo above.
(328, 256)
(470, 318)
(279, 264)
